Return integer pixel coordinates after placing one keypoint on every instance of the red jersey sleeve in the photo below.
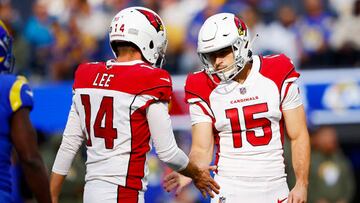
(85, 73)
(78, 71)
(198, 86)
(159, 85)
(278, 68)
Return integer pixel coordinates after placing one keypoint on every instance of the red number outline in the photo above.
(105, 112)
(250, 123)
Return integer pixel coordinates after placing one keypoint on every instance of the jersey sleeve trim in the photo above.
(195, 99)
(15, 93)
(206, 111)
(163, 93)
(153, 96)
(286, 90)
(279, 69)
(199, 114)
(291, 98)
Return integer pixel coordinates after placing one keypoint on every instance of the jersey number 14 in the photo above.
(105, 112)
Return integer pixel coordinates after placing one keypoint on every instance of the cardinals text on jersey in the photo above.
(247, 118)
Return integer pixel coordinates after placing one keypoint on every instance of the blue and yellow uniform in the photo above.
(15, 93)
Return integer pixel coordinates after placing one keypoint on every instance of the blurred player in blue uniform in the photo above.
(15, 128)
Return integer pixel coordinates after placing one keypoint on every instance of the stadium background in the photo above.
(322, 37)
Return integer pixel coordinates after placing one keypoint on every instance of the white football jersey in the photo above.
(247, 118)
(109, 109)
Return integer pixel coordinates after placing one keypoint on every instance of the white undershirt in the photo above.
(70, 144)
(163, 137)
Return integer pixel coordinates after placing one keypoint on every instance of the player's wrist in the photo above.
(302, 183)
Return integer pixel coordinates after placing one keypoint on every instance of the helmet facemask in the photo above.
(7, 59)
(160, 55)
(242, 54)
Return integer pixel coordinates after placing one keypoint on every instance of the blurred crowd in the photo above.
(53, 37)
(331, 178)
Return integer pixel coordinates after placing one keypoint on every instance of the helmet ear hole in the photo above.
(250, 53)
(151, 45)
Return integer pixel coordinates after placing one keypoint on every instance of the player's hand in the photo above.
(298, 194)
(175, 180)
(205, 183)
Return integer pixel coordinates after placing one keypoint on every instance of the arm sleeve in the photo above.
(199, 113)
(71, 142)
(20, 94)
(292, 98)
(163, 137)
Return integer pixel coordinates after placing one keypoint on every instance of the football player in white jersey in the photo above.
(119, 108)
(240, 103)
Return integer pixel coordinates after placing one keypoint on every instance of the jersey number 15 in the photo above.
(250, 123)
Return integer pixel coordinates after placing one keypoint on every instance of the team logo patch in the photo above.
(153, 19)
(240, 26)
(222, 199)
(243, 90)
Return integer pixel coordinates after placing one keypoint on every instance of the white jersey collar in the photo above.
(254, 69)
(113, 62)
(255, 66)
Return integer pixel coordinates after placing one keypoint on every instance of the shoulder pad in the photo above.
(278, 68)
(198, 86)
